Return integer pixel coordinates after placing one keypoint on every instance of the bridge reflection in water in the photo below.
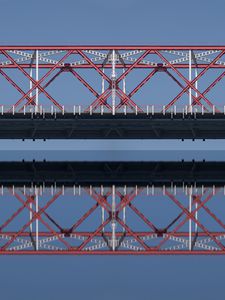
(112, 208)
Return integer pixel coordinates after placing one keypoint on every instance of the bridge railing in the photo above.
(147, 109)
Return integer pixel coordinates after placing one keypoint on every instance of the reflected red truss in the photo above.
(115, 221)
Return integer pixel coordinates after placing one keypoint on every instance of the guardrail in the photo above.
(102, 110)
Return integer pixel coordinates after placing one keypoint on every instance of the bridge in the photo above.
(112, 208)
(114, 92)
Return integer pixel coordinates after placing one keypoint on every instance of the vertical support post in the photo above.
(124, 83)
(196, 217)
(190, 77)
(37, 221)
(124, 217)
(103, 217)
(196, 82)
(103, 82)
(31, 75)
(196, 72)
(190, 223)
(113, 77)
(37, 78)
(31, 216)
(113, 222)
(124, 86)
(31, 83)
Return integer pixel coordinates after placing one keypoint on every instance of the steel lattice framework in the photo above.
(119, 73)
(143, 220)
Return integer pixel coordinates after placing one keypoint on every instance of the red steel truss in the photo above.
(119, 74)
(112, 220)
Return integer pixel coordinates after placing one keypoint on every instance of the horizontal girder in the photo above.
(109, 47)
(107, 66)
(106, 126)
(70, 173)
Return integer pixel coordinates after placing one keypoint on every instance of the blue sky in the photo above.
(107, 22)
(111, 22)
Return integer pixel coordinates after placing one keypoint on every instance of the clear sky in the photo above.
(112, 22)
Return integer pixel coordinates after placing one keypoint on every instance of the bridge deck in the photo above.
(107, 126)
(108, 173)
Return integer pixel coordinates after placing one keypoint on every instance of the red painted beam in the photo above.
(107, 252)
(108, 66)
(110, 47)
(118, 234)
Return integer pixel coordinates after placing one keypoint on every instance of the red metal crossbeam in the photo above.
(107, 66)
(110, 47)
(114, 70)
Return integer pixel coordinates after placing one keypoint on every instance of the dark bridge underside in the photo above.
(108, 173)
(120, 126)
